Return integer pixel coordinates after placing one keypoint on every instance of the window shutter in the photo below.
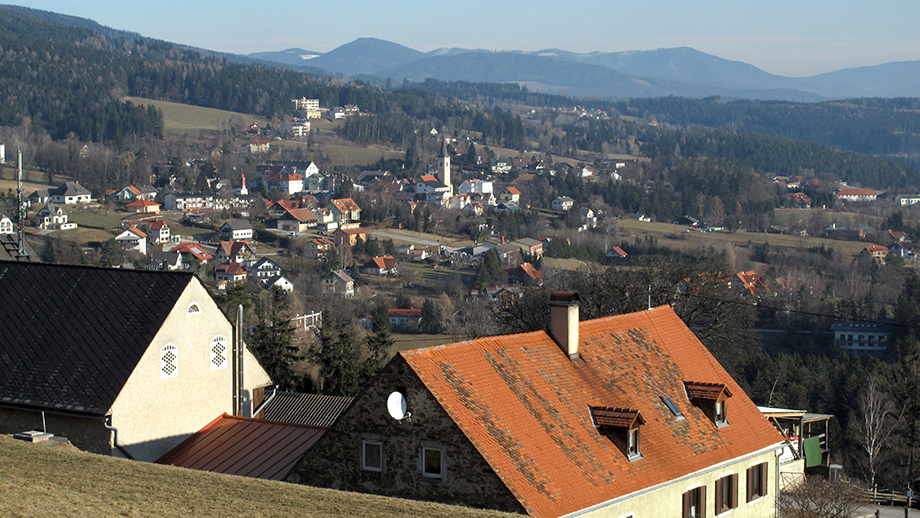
(763, 479)
(750, 489)
(734, 491)
(703, 502)
(686, 513)
(720, 488)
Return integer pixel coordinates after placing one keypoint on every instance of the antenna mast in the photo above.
(22, 209)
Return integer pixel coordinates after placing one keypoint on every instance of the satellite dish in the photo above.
(396, 405)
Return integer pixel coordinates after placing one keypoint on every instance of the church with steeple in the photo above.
(444, 166)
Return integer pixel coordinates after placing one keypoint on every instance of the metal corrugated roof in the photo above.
(245, 447)
(305, 409)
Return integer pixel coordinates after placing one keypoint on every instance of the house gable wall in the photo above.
(152, 413)
(335, 461)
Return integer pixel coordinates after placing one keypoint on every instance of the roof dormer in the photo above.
(620, 425)
(711, 398)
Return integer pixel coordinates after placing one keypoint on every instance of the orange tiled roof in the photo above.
(302, 214)
(512, 190)
(404, 313)
(527, 408)
(345, 205)
(143, 203)
(288, 204)
(137, 232)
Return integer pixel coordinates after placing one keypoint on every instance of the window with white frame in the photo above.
(433, 465)
(371, 455)
(218, 352)
(169, 361)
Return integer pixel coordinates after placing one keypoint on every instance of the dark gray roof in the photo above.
(69, 189)
(306, 409)
(237, 224)
(72, 335)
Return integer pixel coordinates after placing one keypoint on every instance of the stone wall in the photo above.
(335, 460)
(86, 434)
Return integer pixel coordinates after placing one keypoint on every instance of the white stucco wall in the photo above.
(666, 500)
(152, 413)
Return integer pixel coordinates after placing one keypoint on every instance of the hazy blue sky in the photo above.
(793, 38)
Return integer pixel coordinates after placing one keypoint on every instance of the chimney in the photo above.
(563, 321)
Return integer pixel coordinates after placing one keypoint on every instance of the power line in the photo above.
(799, 312)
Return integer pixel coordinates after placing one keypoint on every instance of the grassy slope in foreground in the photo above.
(51, 481)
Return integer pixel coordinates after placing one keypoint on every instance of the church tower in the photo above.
(444, 166)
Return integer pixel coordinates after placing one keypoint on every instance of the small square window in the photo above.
(432, 462)
(371, 456)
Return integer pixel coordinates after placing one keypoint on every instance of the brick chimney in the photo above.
(563, 321)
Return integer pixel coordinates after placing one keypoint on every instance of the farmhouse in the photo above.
(557, 423)
(120, 362)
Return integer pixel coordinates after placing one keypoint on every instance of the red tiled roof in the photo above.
(245, 447)
(288, 204)
(345, 205)
(138, 231)
(231, 269)
(385, 262)
(404, 313)
(157, 224)
(302, 214)
(530, 271)
(526, 408)
(512, 190)
(857, 192)
(143, 203)
(194, 249)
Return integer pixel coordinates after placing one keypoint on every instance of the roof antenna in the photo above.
(22, 210)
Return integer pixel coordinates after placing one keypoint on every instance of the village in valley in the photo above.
(555, 307)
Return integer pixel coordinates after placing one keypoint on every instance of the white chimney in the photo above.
(563, 321)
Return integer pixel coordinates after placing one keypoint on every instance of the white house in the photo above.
(70, 193)
(236, 230)
(133, 240)
(6, 225)
(53, 217)
(169, 362)
(563, 203)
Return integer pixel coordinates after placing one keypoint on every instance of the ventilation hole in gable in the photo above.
(218, 352)
(193, 308)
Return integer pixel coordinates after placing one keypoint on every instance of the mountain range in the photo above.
(672, 71)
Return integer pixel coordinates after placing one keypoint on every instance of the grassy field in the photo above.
(59, 481)
(675, 236)
(182, 119)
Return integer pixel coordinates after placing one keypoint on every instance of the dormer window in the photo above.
(711, 398)
(620, 425)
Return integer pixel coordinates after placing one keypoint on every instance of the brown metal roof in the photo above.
(305, 409)
(246, 447)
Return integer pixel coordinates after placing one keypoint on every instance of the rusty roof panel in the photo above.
(245, 447)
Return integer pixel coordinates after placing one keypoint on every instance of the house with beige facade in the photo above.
(126, 363)
(623, 416)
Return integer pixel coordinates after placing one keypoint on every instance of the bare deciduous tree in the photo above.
(873, 425)
(819, 498)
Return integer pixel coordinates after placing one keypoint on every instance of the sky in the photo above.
(783, 37)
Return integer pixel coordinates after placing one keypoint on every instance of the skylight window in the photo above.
(678, 415)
